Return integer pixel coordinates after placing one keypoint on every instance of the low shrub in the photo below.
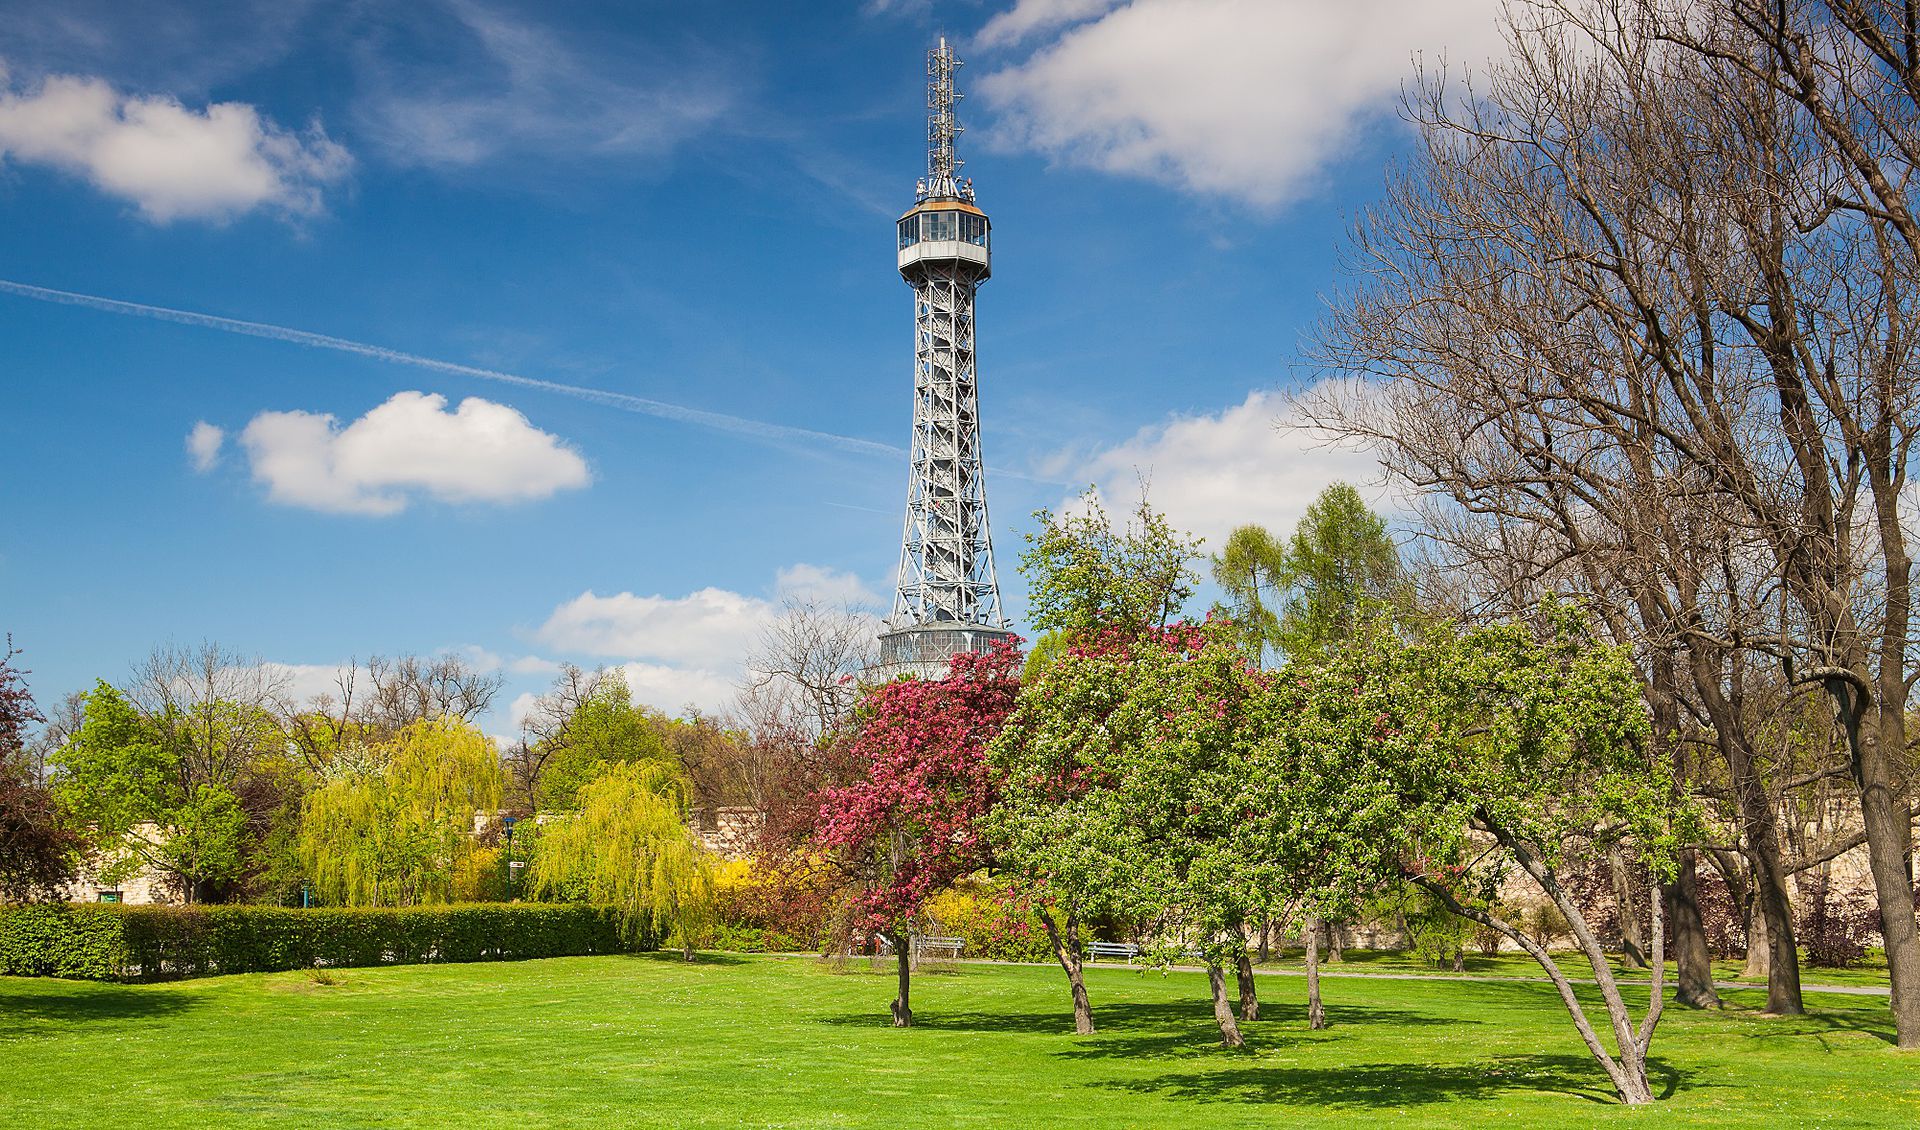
(996, 924)
(86, 942)
(763, 908)
(151, 943)
(1834, 928)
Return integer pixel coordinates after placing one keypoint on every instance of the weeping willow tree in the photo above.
(627, 846)
(395, 832)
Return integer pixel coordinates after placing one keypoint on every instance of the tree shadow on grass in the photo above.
(1130, 1030)
(1817, 1024)
(700, 957)
(29, 1011)
(1378, 1085)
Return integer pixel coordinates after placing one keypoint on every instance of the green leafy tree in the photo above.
(397, 833)
(1251, 569)
(629, 846)
(1517, 747)
(1118, 776)
(1057, 822)
(588, 721)
(606, 729)
(1338, 571)
(1195, 718)
(128, 781)
(1086, 577)
(1094, 589)
(1341, 568)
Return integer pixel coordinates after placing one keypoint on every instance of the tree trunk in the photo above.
(903, 956)
(1691, 960)
(1222, 1010)
(1459, 961)
(1336, 940)
(1627, 1070)
(1884, 812)
(1783, 954)
(1067, 949)
(1758, 948)
(1249, 994)
(1316, 1015)
(1633, 950)
(1266, 939)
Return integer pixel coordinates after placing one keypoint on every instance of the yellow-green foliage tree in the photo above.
(629, 846)
(397, 832)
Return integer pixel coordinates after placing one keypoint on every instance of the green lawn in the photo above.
(650, 1041)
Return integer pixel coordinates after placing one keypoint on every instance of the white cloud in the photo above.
(817, 584)
(673, 689)
(1246, 99)
(521, 706)
(1032, 17)
(303, 682)
(171, 161)
(512, 85)
(688, 650)
(411, 445)
(533, 665)
(709, 627)
(1211, 473)
(203, 446)
(481, 659)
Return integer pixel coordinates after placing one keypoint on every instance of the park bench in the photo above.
(1120, 951)
(924, 950)
(929, 948)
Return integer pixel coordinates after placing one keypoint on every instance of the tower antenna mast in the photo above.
(943, 128)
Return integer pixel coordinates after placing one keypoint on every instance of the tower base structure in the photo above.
(924, 650)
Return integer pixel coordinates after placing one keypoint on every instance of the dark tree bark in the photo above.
(1249, 993)
(903, 958)
(1693, 964)
(1222, 1008)
(1066, 947)
(1632, 948)
(1627, 1069)
(1316, 1014)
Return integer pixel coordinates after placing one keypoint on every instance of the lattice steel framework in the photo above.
(949, 592)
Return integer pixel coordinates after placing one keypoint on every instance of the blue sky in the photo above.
(687, 204)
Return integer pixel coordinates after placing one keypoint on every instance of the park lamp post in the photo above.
(508, 822)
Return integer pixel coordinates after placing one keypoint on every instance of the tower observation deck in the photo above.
(948, 599)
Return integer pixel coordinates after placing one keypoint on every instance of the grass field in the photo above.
(651, 1041)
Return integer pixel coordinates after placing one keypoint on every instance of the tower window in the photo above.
(909, 232)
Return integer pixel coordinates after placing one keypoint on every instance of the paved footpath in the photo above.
(1843, 990)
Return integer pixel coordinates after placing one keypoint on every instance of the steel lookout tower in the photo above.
(949, 595)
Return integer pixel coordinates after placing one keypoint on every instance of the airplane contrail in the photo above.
(722, 421)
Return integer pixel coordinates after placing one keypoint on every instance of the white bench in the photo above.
(1121, 951)
(937, 949)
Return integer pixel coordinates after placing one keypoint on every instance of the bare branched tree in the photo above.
(1646, 332)
(809, 666)
(545, 730)
(373, 701)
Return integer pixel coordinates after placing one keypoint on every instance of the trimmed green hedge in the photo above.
(151, 943)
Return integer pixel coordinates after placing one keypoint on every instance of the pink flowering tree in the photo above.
(909, 824)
